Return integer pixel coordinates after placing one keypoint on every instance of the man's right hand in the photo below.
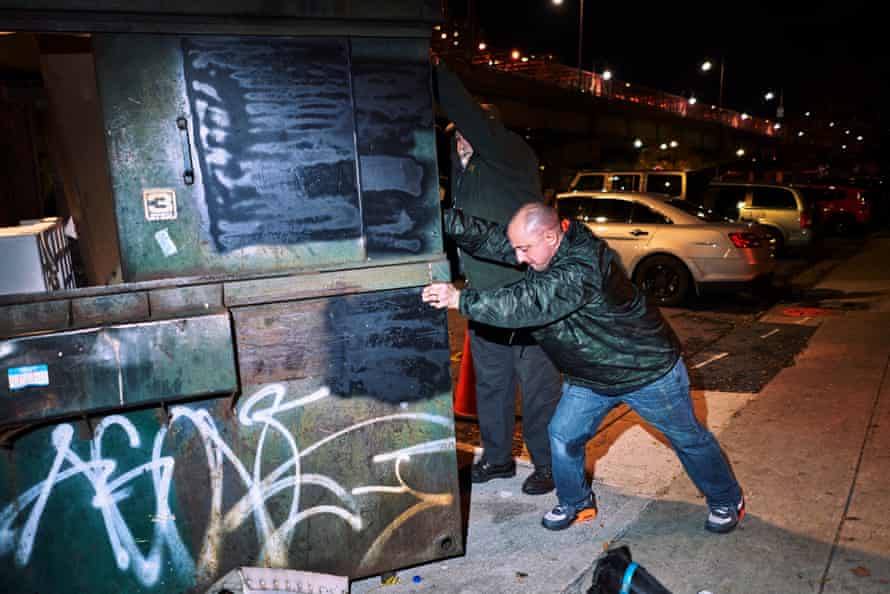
(441, 295)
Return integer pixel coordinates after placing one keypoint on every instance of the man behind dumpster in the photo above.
(611, 347)
(494, 172)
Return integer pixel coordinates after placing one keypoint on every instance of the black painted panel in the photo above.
(392, 346)
(387, 345)
(274, 138)
(396, 145)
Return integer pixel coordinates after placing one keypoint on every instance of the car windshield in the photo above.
(705, 214)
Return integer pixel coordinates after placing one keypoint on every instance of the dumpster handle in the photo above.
(188, 175)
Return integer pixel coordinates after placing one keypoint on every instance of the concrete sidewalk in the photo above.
(811, 450)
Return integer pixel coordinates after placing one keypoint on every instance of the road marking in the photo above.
(770, 333)
(711, 360)
(804, 320)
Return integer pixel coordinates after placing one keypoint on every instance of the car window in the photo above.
(629, 182)
(726, 201)
(643, 215)
(590, 183)
(697, 182)
(697, 210)
(665, 183)
(814, 195)
(594, 210)
(779, 198)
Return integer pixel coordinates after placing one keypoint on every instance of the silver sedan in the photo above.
(669, 246)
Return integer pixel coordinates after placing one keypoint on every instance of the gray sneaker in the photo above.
(724, 518)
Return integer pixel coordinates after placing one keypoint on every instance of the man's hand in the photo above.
(441, 295)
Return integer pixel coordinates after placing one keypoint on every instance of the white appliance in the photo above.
(35, 257)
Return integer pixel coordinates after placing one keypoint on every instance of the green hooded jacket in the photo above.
(501, 176)
(593, 323)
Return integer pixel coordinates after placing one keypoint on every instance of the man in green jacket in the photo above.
(494, 172)
(611, 346)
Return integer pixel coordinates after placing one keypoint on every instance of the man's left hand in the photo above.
(441, 295)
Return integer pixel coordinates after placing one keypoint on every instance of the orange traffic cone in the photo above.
(465, 391)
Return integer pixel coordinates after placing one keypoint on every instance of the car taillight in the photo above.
(744, 240)
(805, 220)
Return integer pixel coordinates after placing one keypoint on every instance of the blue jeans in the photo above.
(665, 404)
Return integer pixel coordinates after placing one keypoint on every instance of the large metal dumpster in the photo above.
(266, 387)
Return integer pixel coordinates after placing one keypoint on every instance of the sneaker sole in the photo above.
(585, 515)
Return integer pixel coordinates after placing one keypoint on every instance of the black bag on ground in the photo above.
(610, 572)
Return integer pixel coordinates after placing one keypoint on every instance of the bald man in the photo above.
(611, 346)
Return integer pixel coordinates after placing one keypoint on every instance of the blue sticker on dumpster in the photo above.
(30, 375)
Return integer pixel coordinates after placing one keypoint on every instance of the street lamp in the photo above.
(580, 35)
(769, 96)
(706, 66)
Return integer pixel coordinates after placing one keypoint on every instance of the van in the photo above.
(674, 183)
(838, 210)
(782, 210)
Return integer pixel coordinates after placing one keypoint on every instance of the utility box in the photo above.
(266, 387)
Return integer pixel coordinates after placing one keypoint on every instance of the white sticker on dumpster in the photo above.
(165, 242)
(30, 375)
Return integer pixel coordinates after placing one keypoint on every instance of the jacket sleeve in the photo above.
(487, 134)
(481, 238)
(539, 299)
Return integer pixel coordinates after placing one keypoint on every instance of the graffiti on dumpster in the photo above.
(20, 520)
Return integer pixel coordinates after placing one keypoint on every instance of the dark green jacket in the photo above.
(593, 323)
(501, 176)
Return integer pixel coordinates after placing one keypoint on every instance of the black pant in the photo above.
(499, 366)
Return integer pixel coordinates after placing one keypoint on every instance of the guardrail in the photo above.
(546, 71)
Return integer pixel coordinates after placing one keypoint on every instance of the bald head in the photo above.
(536, 217)
(535, 235)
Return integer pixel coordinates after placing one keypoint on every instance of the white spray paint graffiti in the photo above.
(263, 409)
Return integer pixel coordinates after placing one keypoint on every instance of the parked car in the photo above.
(670, 246)
(838, 210)
(679, 184)
(782, 210)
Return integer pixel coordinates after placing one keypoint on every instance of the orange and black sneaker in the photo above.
(563, 516)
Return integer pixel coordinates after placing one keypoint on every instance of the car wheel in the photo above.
(663, 279)
(776, 239)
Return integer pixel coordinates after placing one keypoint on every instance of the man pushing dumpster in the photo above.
(611, 346)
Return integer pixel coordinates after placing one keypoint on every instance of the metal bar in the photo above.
(81, 372)
(354, 281)
(108, 22)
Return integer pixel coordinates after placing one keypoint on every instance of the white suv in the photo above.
(675, 183)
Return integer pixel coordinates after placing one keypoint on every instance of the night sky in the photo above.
(828, 58)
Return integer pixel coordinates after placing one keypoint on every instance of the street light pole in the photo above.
(580, 42)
